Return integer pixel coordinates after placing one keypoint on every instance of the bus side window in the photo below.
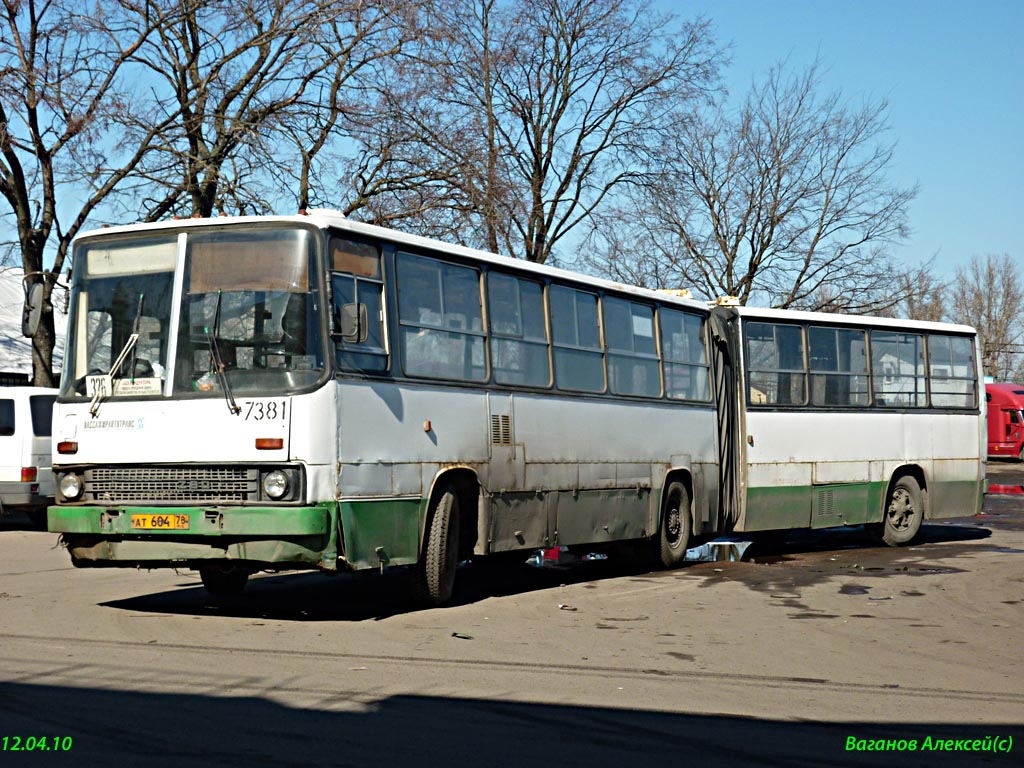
(839, 367)
(897, 369)
(632, 354)
(579, 359)
(685, 355)
(519, 337)
(951, 371)
(775, 364)
(357, 295)
(441, 319)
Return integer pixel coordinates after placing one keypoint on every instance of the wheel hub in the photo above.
(901, 510)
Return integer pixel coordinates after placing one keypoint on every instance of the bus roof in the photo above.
(323, 218)
(326, 218)
(858, 320)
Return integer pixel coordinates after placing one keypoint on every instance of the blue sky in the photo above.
(953, 74)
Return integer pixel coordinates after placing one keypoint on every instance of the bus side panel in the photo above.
(778, 496)
(820, 469)
(393, 439)
(567, 469)
(957, 474)
(576, 446)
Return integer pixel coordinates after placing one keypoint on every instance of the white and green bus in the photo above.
(308, 392)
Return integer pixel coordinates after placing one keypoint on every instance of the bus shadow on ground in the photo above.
(367, 596)
(339, 728)
(362, 596)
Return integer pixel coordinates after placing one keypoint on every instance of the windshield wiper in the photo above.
(218, 361)
(107, 388)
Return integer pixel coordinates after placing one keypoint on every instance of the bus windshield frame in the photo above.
(196, 313)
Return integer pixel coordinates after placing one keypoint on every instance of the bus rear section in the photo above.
(858, 421)
(1005, 420)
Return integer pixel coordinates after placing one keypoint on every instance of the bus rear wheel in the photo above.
(221, 581)
(435, 573)
(904, 511)
(676, 527)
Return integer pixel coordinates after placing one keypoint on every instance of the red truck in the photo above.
(1005, 420)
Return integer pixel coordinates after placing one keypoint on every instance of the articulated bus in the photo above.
(308, 392)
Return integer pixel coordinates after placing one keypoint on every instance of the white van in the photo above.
(26, 478)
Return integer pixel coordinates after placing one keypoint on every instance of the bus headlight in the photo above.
(70, 486)
(275, 484)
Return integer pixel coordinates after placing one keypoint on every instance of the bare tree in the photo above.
(301, 146)
(920, 294)
(233, 74)
(518, 119)
(989, 295)
(62, 70)
(784, 203)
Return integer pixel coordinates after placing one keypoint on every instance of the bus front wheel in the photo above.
(904, 511)
(676, 526)
(435, 574)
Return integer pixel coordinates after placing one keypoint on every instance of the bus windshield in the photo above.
(245, 320)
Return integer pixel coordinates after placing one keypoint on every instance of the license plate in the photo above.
(160, 522)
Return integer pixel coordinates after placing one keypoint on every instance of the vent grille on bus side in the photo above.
(121, 485)
(501, 430)
(826, 505)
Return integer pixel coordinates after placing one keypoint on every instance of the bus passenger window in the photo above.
(775, 364)
(951, 373)
(441, 320)
(685, 355)
(579, 359)
(839, 367)
(519, 337)
(632, 356)
(897, 369)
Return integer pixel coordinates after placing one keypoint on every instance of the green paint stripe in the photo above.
(228, 521)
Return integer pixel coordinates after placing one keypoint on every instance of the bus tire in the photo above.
(676, 526)
(221, 581)
(435, 574)
(904, 511)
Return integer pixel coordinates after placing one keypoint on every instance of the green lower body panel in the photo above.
(827, 506)
(780, 507)
(299, 537)
(813, 506)
(382, 531)
(846, 504)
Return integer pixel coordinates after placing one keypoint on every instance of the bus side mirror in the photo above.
(354, 323)
(33, 310)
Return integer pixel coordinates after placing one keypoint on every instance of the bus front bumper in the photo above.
(154, 537)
